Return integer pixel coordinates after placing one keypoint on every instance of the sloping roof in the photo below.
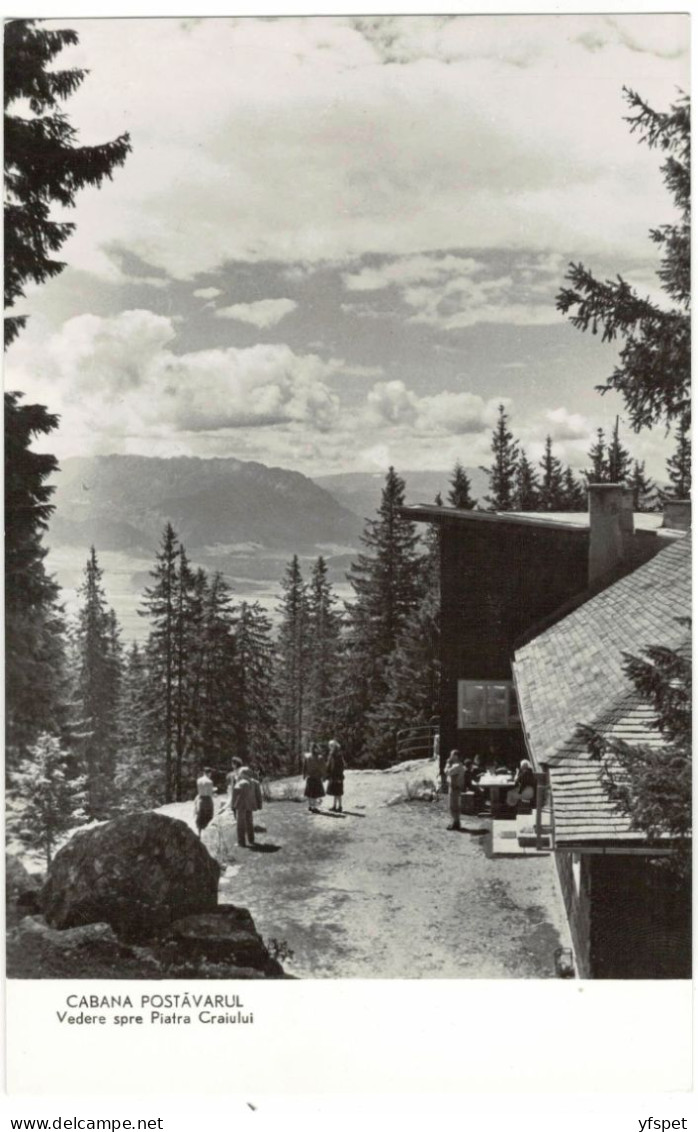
(583, 813)
(573, 672)
(567, 520)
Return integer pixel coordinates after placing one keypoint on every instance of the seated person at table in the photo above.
(478, 767)
(470, 779)
(526, 778)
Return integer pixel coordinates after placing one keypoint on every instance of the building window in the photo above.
(487, 703)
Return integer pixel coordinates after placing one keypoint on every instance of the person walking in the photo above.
(455, 775)
(246, 798)
(203, 804)
(313, 772)
(335, 775)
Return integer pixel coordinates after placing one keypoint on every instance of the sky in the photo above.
(337, 242)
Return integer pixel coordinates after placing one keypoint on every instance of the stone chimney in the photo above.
(677, 514)
(611, 529)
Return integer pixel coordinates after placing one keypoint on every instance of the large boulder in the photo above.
(136, 873)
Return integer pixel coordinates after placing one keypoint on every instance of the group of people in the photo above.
(244, 799)
(465, 776)
(323, 773)
(319, 767)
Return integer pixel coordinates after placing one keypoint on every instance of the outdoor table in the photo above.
(495, 784)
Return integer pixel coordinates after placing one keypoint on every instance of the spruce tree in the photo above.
(386, 578)
(653, 372)
(526, 487)
(618, 459)
(256, 735)
(574, 497)
(160, 602)
(653, 784)
(388, 582)
(45, 801)
(34, 625)
(292, 662)
(218, 689)
(43, 164)
(551, 495)
(140, 778)
(324, 659)
(598, 472)
(679, 465)
(502, 471)
(459, 494)
(97, 690)
(643, 488)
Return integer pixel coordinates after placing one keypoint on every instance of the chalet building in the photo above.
(536, 612)
(628, 919)
(506, 575)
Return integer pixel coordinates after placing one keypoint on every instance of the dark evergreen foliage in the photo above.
(653, 784)
(97, 691)
(551, 494)
(654, 369)
(256, 735)
(292, 663)
(679, 465)
(46, 799)
(43, 164)
(502, 471)
(526, 487)
(459, 493)
(34, 625)
(323, 686)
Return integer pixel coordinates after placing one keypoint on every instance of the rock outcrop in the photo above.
(137, 873)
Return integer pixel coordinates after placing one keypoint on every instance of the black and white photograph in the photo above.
(347, 489)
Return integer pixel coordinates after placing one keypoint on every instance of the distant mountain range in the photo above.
(226, 505)
(360, 492)
(239, 517)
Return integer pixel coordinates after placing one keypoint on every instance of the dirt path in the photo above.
(386, 891)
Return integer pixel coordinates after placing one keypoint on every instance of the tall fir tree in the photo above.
(160, 607)
(526, 487)
(217, 689)
(292, 663)
(35, 691)
(618, 459)
(459, 492)
(679, 465)
(324, 654)
(140, 779)
(551, 495)
(502, 471)
(97, 690)
(598, 472)
(574, 497)
(256, 734)
(643, 488)
(388, 583)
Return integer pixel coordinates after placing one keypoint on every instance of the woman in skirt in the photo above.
(314, 772)
(203, 806)
(335, 775)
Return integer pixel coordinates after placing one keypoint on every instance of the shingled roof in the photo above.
(582, 809)
(573, 672)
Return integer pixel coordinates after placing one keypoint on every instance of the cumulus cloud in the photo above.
(119, 376)
(262, 314)
(207, 293)
(446, 413)
(563, 425)
(451, 292)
